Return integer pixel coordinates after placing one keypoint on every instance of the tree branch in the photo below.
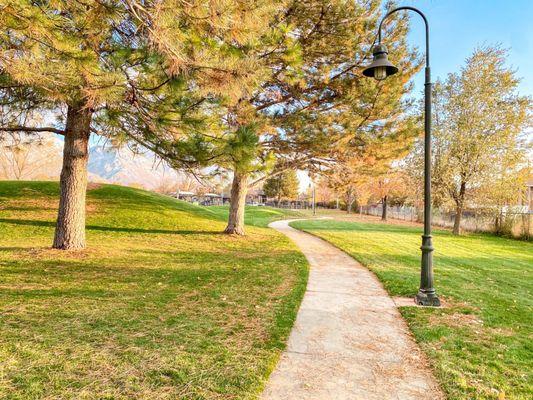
(31, 129)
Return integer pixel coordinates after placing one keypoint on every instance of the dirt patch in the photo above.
(94, 186)
(26, 287)
(410, 302)
(456, 320)
(48, 253)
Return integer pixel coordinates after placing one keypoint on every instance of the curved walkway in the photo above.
(349, 340)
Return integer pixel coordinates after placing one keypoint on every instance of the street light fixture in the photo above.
(381, 68)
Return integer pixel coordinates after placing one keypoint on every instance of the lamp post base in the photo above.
(427, 299)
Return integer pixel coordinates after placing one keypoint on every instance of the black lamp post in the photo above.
(313, 196)
(380, 69)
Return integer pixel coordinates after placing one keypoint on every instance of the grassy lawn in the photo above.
(160, 305)
(481, 346)
(259, 216)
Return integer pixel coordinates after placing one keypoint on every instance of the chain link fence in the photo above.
(516, 224)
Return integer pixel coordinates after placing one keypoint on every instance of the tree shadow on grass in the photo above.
(51, 224)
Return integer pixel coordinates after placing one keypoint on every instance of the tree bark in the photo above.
(348, 205)
(459, 205)
(349, 201)
(384, 209)
(457, 220)
(70, 227)
(497, 224)
(237, 202)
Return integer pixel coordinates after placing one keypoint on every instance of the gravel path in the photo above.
(349, 340)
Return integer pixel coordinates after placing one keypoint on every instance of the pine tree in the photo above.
(186, 120)
(62, 58)
(298, 96)
(310, 99)
(314, 100)
(136, 71)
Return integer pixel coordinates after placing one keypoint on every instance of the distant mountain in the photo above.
(124, 167)
(42, 159)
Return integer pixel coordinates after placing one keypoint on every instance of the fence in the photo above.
(517, 224)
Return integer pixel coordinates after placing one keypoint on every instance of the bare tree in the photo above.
(28, 156)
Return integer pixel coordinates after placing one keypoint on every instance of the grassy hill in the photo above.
(160, 305)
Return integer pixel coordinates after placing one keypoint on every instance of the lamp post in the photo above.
(313, 194)
(379, 69)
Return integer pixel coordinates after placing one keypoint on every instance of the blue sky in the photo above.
(458, 27)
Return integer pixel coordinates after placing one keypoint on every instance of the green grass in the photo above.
(258, 216)
(481, 345)
(160, 305)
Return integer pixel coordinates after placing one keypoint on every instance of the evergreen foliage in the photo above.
(309, 99)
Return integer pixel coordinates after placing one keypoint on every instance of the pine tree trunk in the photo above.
(384, 209)
(70, 228)
(238, 200)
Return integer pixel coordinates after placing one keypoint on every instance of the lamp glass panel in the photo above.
(380, 73)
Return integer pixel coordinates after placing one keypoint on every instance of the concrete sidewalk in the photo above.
(349, 340)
